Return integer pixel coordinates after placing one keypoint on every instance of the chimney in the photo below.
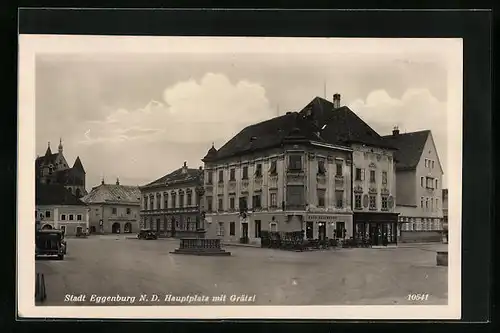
(336, 101)
(184, 168)
(395, 131)
(117, 181)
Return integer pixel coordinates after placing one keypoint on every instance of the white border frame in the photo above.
(30, 45)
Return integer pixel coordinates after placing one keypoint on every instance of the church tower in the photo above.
(60, 148)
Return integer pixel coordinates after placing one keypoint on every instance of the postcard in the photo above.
(239, 177)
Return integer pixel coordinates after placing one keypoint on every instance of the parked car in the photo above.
(147, 234)
(50, 243)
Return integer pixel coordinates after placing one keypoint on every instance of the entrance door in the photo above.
(115, 228)
(374, 233)
(309, 230)
(339, 230)
(257, 228)
(321, 231)
(244, 230)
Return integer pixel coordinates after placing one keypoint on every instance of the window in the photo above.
(145, 203)
(421, 181)
(432, 164)
(373, 202)
(209, 203)
(426, 203)
(321, 167)
(47, 213)
(357, 201)
(339, 199)
(295, 162)
(220, 229)
(274, 200)
(221, 176)
(295, 196)
(189, 199)
(79, 217)
(338, 169)
(257, 228)
(128, 211)
(174, 200)
(384, 203)
(71, 217)
(431, 203)
(232, 228)
(425, 163)
(384, 177)
(243, 204)
(360, 174)
(321, 198)
(258, 170)
(181, 200)
(113, 210)
(421, 202)
(256, 201)
(63, 217)
(437, 203)
(430, 183)
(231, 203)
(372, 176)
(210, 177)
(220, 205)
(273, 169)
(232, 174)
(436, 186)
(245, 172)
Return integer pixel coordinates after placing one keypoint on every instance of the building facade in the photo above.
(52, 168)
(114, 208)
(278, 175)
(445, 212)
(171, 205)
(419, 186)
(373, 186)
(57, 208)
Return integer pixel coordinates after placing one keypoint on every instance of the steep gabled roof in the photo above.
(46, 159)
(341, 125)
(78, 164)
(113, 193)
(268, 134)
(176, 177)
(410, 148)
(55, 194)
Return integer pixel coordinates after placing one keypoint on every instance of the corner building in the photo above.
(278, 175)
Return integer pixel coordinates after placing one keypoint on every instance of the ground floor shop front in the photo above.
(248, 227)
(179, 223)
(378, 228)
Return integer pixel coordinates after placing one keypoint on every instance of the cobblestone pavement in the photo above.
(120, 265)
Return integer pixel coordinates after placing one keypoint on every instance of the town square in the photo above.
(224, 179)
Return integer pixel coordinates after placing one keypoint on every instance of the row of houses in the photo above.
(322, 170)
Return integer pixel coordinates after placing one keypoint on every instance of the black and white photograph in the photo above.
(239, 177)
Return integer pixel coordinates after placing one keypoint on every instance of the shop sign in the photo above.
(320, 218)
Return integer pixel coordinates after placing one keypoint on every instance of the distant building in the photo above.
(419, 186)
(114, 208)
(295, 173)
(445, 209)
(52, 168)
(57, 208)
(171, 204)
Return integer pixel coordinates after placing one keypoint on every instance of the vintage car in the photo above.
(50, 243)
(147, 234)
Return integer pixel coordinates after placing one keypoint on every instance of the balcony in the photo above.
(295, 207)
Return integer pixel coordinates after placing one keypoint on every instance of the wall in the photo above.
(58, 212)
(420, 236)
(377, 159)
(105, 212)
(406, 189)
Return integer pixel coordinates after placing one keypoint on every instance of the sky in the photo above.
(137, 116)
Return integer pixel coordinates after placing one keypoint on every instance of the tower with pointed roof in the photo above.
(52, 168)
